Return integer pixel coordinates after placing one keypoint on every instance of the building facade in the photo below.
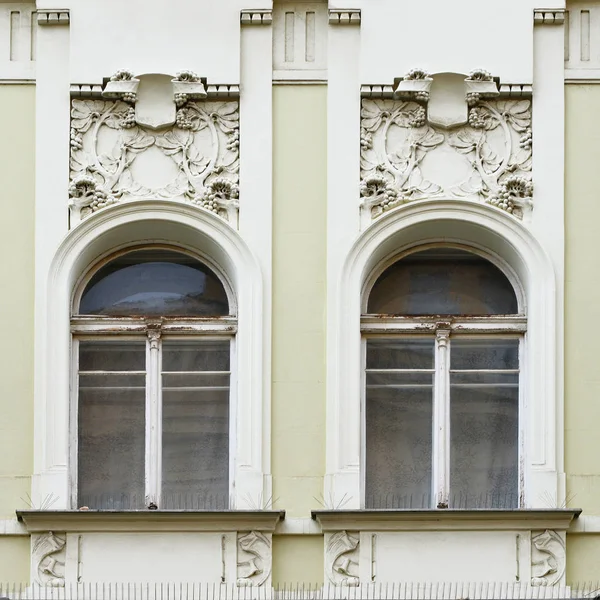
(299, 292)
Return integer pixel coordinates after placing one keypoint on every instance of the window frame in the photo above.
(443, 328)
(152, 330)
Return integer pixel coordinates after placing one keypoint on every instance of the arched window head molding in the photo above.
(512, 247)
(128, 225)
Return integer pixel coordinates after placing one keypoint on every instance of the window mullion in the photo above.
(153, 419)
(441, 420)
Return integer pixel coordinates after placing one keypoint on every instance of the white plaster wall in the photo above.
(163, 36)
(446, 36)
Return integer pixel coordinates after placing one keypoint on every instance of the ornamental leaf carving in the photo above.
(342, 559)
(404, 158)
(115, 159)
(253, 559)
(49, 559)
(548, 559)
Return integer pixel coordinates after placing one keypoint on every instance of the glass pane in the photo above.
(154, 282)
(485, 354)
(484, 424)
(111, 418)
(399, 416)
(442, 282)
(416, 353)
(195, 393)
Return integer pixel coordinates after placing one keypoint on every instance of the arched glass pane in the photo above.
(154, 283)
(442, 281)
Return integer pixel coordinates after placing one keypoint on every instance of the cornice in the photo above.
(549, 16)
(53, 16)
(223, 91)
(144, 520)
(435, 520)
(344, 16)
(256, 17)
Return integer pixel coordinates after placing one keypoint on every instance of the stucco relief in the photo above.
(341, 558)
(406, 157)
(548, 559)
(254, 559)
(114, 158)
(48, 551)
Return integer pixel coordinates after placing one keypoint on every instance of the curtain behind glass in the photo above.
(111, 444)
(399, 417)
(195, 422)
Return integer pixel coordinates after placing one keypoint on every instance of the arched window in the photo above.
(442, 330)
(152, 337)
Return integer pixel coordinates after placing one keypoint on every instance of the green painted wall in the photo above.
(582, 298)
(299, 272)
(17, 174)
(297, 559)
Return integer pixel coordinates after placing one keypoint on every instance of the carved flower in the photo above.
(85, 192)
(122, 75)
(220, 193)
(480, 75)
(416, 74)
(514, 193)
(187, 76)
(377, 191)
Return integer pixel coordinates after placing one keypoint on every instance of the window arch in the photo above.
(442, 330)
(153, 329)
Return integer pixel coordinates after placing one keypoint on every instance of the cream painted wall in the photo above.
(582, 377)
(17, 152)
(297, 560)
(582, 297)
(299, 271)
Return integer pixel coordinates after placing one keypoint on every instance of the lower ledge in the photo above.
(145, 520)
(445, 519)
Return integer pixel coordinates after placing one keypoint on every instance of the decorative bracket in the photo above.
(344, 16)
(341, 558)
(256, 17)
(47, 16)
(254, 559)
(48, 555)
(552, 16)
(548, 558)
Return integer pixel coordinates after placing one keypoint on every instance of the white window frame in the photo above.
(153, 330)
(510, 243)
(442, 330)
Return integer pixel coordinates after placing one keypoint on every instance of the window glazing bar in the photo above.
(153, 419)
(441, 419)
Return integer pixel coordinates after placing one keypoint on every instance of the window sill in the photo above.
(148, 520)
(445, 519)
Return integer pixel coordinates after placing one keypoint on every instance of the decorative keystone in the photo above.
(343, 16)
(256, 17)
(53, 17)
(554, 16)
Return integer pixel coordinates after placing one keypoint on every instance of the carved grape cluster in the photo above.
(477, 118)
(181, 99)
(526, 139)
(473, 98)
(129, 97)
(418, 117)
(76, 140)
(366, 139)
(233, 141)
(421, 96)
(183, 118)
(128, 120)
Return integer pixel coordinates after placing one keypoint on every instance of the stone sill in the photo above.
(445, 519)
(150, 520)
